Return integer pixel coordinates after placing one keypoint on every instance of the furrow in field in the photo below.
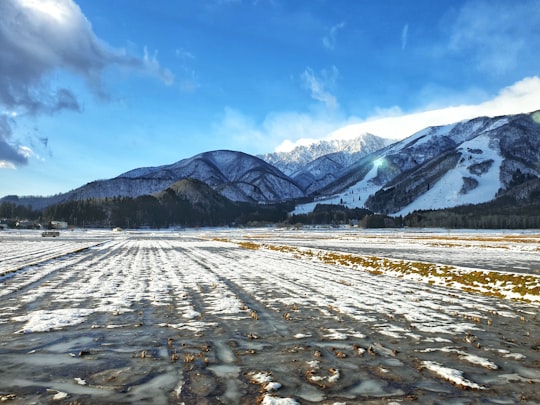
(350, 285)
(173, 318)
(399, 310)
(356, 293)
(12, 265)
(67, 285)
(37, 283)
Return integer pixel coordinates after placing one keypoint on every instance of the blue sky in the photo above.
(91, 89)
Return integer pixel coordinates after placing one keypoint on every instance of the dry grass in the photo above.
(249, 245)
(488, 283)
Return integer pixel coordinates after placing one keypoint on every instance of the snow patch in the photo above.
(452, 375)
(45, 320)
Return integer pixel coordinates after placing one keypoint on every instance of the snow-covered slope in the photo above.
(354, 196)
(469, 162)
(474, 179)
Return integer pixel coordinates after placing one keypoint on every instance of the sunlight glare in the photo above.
(52, 8)
(378, 162)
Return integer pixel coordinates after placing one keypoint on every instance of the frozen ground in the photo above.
(274, 316)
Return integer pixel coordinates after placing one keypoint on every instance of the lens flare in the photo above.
(378, 162)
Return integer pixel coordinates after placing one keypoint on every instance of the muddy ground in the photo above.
(197, 318)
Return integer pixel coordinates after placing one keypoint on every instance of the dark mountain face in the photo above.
(235, 175)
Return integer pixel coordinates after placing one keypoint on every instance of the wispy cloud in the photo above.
(521, 97)
(288, 129)
(496, 34)
(329, 40)
(152, 65)
(319, 84)
(404, 34)
(184, 54)
(38, 38)
(238, 128)
(242, 132)
(188, 81)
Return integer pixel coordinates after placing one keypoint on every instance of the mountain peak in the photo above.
(294, 160)
(468, 162)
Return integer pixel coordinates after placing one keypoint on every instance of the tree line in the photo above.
(503, 213)
(147, 211)
(171, 209)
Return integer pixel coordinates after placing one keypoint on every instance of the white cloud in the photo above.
(288, 129)
(521, 97)
(41, 37)
(291, 129)
(189, 83)
(26, 151)
(247, 134)
(329, 40)
(4, 164)
(183, 54)
(152, 65)
(239, 128)
(318, 85)
(304, 128)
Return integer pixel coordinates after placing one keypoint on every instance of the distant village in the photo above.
(6, 223)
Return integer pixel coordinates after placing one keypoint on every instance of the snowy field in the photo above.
(270, 316)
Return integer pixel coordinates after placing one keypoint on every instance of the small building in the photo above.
(25, 224)
(59, 225)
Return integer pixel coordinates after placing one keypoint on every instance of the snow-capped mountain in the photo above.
(235, 175)
(344, 152)
(469, 162)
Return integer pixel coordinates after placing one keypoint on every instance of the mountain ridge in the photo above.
(481, 154)
(468, 162)
(296, 159)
